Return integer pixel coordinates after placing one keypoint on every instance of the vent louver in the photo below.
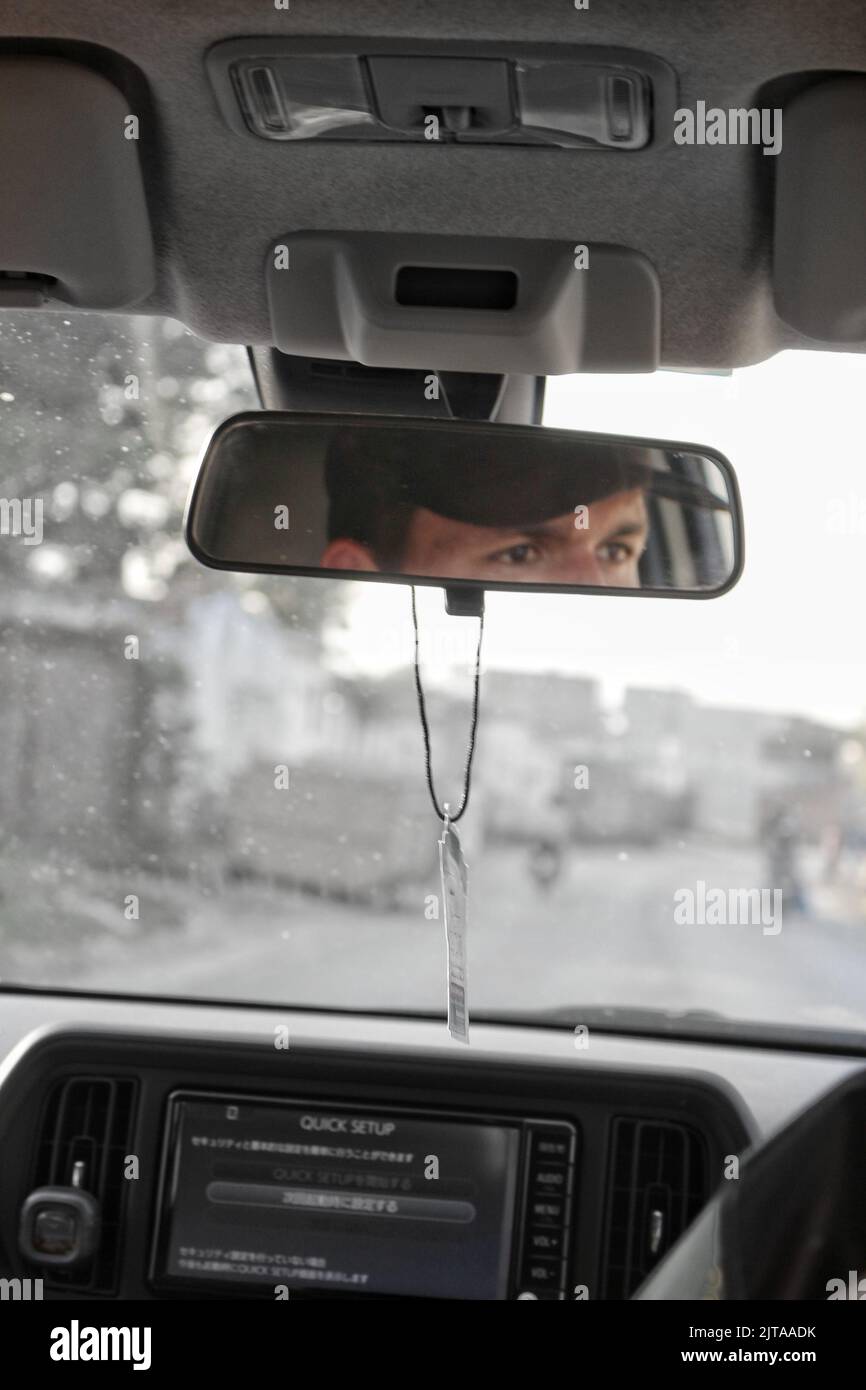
(658, 1181)
(90, 1120)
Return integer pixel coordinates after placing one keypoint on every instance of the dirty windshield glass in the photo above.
(213, 784)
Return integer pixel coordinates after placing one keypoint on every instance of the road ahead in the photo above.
(604, 934)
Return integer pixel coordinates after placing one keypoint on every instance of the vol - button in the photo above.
(541, 1273)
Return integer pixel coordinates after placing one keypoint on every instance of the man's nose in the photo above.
(583, 567)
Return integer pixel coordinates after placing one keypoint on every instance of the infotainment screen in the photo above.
(266, 1193)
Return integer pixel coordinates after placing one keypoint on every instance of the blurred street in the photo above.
(603, 934)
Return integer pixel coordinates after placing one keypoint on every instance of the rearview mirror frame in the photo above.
(452, 585)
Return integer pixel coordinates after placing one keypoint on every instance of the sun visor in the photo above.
(74, 226)
(464, 304)
(819, 260)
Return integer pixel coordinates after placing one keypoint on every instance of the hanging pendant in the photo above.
(454, 877)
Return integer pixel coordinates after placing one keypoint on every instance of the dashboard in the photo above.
(172, 1150)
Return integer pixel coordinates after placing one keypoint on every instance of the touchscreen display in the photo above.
(352, 1201)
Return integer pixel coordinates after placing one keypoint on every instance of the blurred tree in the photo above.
(104, 417)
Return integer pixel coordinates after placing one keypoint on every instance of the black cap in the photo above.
(417, 468)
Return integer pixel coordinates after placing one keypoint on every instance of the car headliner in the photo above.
(218, 200)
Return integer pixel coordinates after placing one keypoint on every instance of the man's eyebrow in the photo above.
(505, 533)
(543, 529)
(628, 528)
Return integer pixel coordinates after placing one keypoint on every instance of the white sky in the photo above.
(791, 636)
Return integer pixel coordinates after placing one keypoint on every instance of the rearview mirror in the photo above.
(456, 503)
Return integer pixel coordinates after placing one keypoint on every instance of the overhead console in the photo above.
(449, 92)
(295, 144)
(575, 140)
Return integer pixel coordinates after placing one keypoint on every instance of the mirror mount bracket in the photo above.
(464, 602)
(286, 382)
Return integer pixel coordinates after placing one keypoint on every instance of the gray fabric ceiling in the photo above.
(701, 215)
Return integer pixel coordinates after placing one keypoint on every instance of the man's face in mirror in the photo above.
(597, 546)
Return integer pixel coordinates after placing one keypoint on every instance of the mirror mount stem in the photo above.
(464, 602)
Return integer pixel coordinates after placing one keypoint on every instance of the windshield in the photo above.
(214, 784)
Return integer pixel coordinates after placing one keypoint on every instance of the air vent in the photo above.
(90, 1120)
(657, 1183)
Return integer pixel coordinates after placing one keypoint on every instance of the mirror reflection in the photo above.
(445, 501)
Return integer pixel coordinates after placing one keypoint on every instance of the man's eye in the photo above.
(616, 553)
(523, 554)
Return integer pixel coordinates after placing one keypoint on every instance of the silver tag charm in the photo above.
(452, 869)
